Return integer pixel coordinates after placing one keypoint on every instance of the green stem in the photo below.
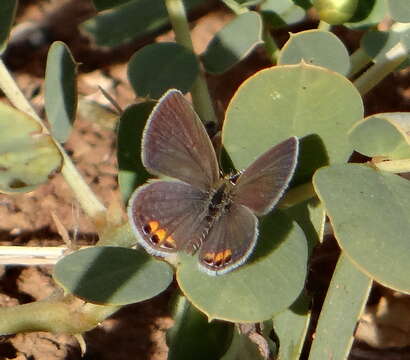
(358, 60)
(65, 315)
(323, 25)
(87, 199)
(370, 78)
(200, 93)
(270, 45)
(394, 166)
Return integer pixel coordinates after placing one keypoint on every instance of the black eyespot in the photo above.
(218, 263)
(146, 229)
(154, 239)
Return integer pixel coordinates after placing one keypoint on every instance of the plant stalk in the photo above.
(200, 93)
(345, 301)
(270, 45)
(394, 166)
(358, 60)
(61, 315)
(370, 78)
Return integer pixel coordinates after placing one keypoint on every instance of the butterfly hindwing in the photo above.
(175, 143)
(230, 240)
(168, 216)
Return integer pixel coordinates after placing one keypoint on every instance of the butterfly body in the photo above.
(199, 211)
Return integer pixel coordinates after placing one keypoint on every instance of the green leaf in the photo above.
(60, 90)
(370, 212)
(316, 47)
(399, 10)
(108, 4)
(385, 134)
(345, 300)
(158, 67)
(267, 284)
(368, 13)
(132, 172)
(134, 20)
(112, 275)
(278, 13)
(7, 15)
(283, 101)
(28, 157)
(233, 43)
(291, 327)
(193, 337)
(377, 44)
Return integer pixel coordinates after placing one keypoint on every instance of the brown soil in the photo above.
(137, 331)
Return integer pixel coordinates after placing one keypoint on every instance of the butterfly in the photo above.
(195, 209)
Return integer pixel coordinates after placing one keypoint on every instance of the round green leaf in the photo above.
(60, 90)
(158, 67)
(369, 211)
(28, 157)
(112, 275)
(385, 134)
(399, 10)
(316, 47)
(267, 284)
(279, 13)
(231, 44)
(132, 172)
(314, 103)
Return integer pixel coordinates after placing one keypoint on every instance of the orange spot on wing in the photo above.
(219, 257)
(227, 255)
(154, 225)
(209, 257)
(161, 233)
(170, 242)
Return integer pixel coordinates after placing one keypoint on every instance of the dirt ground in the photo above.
(138, 331)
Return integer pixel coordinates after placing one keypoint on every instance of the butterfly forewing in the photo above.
(230, 240)
(176, 144)
(168, 216)
(263, 183)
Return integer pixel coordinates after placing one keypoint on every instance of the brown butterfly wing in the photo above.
(175, 143)
(230, 241)
(264, 182)
(168, 216)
